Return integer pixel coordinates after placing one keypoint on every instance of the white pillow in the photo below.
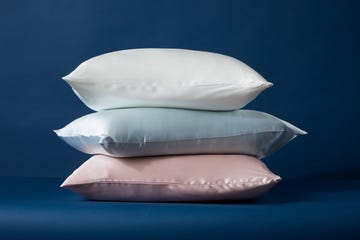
(173, 78)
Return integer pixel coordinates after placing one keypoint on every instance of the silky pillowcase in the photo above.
(171, 178)
(160, 131)
(158, 77)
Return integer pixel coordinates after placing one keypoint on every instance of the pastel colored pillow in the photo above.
(171, 178)
(160, 131)
(156, 77)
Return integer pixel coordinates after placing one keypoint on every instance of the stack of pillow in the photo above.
(168, 128)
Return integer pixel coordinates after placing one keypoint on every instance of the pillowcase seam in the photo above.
(188, 139)
(255, 84)
(269, 180)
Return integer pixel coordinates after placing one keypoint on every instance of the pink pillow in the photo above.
(171, 178)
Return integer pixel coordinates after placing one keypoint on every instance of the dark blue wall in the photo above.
(308, 49)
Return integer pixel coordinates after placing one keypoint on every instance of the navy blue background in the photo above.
(308, 49)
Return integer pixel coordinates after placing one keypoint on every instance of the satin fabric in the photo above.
(175, 78)
(171, 178)
(159, 131)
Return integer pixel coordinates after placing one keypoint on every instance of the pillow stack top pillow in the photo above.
(156, 102)
(173, 78)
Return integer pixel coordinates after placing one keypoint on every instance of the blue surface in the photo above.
(308, 49)
(316, 209)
